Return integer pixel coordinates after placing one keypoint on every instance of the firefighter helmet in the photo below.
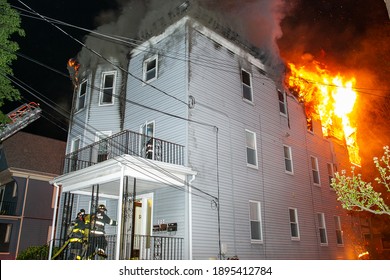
(102, 207)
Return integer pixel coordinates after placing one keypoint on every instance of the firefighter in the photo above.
(97, 233)
(77, 236)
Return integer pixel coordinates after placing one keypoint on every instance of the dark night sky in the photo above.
(352, 35)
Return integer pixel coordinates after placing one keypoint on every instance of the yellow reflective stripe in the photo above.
(75, 240)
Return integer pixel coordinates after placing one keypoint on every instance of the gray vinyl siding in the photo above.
(95, 117)
(76, 129)
(219, 103)
(103, 117)
(168, 204)
(163, 97)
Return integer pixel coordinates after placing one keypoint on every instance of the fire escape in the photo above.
(19, 119)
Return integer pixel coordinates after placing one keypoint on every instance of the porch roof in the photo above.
(149, 174)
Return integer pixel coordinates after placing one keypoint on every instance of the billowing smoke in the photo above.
(257, 21)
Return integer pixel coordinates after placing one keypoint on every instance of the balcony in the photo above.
(122, 143)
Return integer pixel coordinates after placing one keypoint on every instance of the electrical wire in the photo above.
(208, 60)
(92, 130)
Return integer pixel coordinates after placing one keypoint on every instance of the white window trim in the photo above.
(284, 103)
(2, 192)
(103, 75)
(322, 225)
(15, 190)
(315, 169)
(291, 159)
(294, 238)
(7, 236)
(258, 204)
(251, 86)
(246, 146)
(141, 132)
(72, 148)
(85, 96)
(329, 164)
(155, 57)
(338, 227)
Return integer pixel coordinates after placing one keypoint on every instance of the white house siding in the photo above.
(217, 91)
(219, 103)
(79, 118)
(104, 117)
(94, 117)
(165, 96)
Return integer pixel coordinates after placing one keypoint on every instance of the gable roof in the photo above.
(34, 153)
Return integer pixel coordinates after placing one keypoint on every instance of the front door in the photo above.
(142, 226)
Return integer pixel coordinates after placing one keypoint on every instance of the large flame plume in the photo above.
(329, 98)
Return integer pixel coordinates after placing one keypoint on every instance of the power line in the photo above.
(209, 64)
(91, 129)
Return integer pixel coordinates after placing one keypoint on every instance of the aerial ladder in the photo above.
(19, 119)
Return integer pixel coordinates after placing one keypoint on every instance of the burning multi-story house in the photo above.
(198, 152)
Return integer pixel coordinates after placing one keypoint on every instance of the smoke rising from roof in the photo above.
(257, 21)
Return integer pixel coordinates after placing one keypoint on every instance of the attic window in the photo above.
(150, 69)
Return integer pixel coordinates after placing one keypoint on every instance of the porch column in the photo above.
(119, 237)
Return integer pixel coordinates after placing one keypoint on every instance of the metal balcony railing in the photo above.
(125, 142)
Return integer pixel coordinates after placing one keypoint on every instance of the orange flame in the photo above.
(74, 66)
(329, 98)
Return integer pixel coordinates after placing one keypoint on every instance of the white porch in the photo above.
(126, 178)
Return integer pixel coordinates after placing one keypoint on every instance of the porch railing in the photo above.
(144, 247)
(141, 247)
(125, 142)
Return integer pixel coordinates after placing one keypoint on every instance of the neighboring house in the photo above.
(201, 156)
(28, 163)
